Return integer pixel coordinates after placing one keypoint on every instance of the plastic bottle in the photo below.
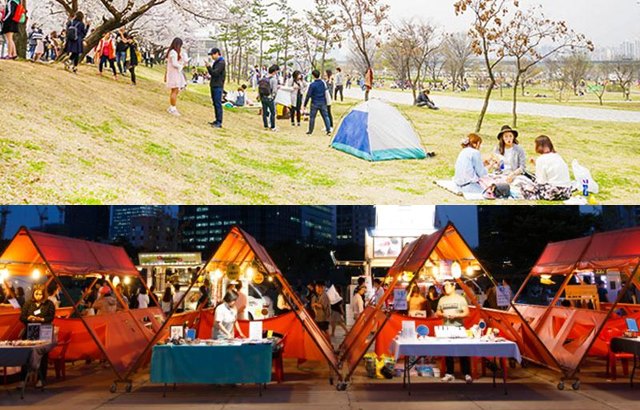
(585, 187)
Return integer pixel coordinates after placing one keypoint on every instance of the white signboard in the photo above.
(400, 299)
(255, 330)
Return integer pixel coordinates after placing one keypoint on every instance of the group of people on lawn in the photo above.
(505, 170)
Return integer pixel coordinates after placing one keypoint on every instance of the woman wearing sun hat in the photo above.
(510, 153)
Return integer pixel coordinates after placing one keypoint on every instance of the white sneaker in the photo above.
(468, 378)
(274, 129)
(448, 378)
(173, 111)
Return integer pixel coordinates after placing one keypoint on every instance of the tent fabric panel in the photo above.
(614, 249)
(560, 257)
(22, 251)
(260, 252)
(354, 132)
(424, 248)
(398, 153)
(390, 130)
(353, 151)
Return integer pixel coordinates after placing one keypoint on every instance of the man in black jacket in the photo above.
(217, 73)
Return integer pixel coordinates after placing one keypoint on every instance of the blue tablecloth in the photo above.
(248, 363)
(432, 346)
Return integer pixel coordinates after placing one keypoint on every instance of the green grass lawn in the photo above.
(87, 139)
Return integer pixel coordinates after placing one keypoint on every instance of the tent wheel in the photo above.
(561, 386)
(113, 388)
(341, 386)
(576, 385)
(128, 387)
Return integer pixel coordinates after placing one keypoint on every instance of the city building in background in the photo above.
(123, 215)
(352, 222)
(621, 216)
(154, 233)
(90, 222)
(203, 227)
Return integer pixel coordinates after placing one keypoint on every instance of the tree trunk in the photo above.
(522, 87)
(98, 32)
(514, 111)
(20, 39)
(485, 105)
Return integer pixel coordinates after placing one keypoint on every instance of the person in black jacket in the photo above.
(76, 32)
(38, 310)
(132, 48)
(217, 73)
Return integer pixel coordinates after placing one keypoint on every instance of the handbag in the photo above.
(19, 14)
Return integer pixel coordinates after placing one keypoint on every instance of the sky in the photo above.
(607, 23)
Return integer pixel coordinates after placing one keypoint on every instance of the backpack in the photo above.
(72, 32)
(264, 87)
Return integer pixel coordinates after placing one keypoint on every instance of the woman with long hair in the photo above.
(74, 34)
(469, 165)
(167, 300)
(174, 77)
(553, 181)
(297, 88)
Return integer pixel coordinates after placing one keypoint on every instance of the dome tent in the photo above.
(376, 131)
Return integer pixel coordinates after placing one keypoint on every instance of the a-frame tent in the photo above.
(422, 257)
(573, 333)
(120, 337)
(239, 251)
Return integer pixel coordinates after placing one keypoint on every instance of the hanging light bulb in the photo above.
(4, 274)
(456, 270)
(217, 274)
(470, 270)
(116, 280)
(270, 278)
(127, 280)
(36, 274)
(249, 273)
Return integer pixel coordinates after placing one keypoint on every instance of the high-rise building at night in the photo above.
(202, 227)
(122, 215)
(352, 221)
(90, 222)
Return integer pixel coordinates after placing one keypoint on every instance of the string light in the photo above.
(127, 280)
(116, 280)
(36, 274)
(217, 274)
(4, 274)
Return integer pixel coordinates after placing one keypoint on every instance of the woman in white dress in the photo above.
(176, 61)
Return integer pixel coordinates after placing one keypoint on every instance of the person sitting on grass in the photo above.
(553, 182)
(317, 94)
(510, 158)
(469, 166)
(423, 100)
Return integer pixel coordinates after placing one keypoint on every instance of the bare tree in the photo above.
(526, 39)
(364, 21)
(558, 75)
(625, 72)
(600, 81)
(323, 26)
(457, 52)
(578, 65)
(487, 29)
(416, 41)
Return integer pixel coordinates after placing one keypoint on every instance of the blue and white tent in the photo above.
(376, 131)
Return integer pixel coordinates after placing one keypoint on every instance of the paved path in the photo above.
(504, 107)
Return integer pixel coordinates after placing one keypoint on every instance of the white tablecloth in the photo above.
(432, 346)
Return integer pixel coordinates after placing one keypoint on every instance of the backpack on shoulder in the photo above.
(264, 88)
(72, 32)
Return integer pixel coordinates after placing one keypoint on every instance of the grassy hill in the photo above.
(86, 139)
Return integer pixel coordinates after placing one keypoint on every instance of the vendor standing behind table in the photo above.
(226, 318)
(453, 308)
(38, 310)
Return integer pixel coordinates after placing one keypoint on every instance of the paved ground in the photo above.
(504, 107)
(87, 386)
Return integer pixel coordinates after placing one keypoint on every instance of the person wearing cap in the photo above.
(453, 309)
(423, 100)
(107, 303)
(217, 72)
(510, 153)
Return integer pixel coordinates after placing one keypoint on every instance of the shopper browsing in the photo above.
(322, 308)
